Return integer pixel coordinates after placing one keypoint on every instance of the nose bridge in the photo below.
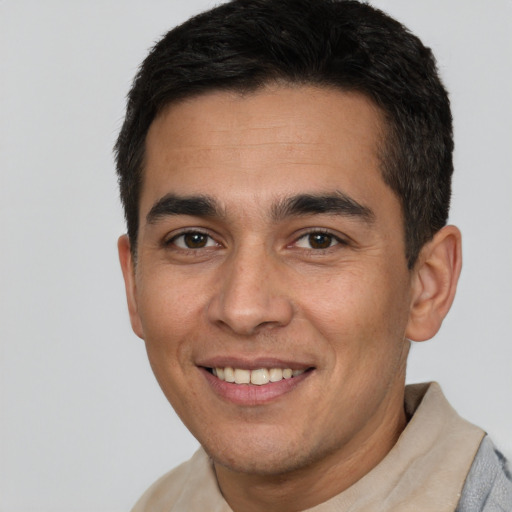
(249, 294)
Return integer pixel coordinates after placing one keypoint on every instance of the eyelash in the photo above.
(334, 240)
(191, 232)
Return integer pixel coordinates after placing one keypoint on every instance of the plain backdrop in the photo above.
(83, 424)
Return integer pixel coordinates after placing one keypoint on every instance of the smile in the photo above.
(254, 383)
(258, 377)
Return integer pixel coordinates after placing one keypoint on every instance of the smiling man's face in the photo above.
(270, 243)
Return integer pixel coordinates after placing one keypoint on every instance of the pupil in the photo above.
(320, 241)
(195, 240)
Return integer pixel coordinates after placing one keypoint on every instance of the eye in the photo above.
(192, 240)
(317, 240)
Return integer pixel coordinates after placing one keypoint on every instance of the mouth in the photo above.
(257, 377)
(254, 383)
(256, 380)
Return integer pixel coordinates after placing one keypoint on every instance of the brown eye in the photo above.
(320, 240)
(317, 240)
(193, 240)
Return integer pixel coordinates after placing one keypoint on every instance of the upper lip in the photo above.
(253, 363)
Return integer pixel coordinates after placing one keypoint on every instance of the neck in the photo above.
(319, 481)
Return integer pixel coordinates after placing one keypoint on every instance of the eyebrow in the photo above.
(172, 204)
(337, 203)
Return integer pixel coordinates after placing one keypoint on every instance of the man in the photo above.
(285, 170)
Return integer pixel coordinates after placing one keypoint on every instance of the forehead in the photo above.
(276, 141)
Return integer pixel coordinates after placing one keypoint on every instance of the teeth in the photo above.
(275, 374)
(257, 377)
(242, 376)
(229, 374)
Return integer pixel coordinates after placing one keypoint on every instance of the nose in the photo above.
(251, 294)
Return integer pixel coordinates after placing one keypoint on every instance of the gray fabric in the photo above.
(488, 486)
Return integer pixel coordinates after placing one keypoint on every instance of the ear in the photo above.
(128, 268)
(434, 283)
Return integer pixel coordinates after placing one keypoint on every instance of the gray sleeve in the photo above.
(488, 486)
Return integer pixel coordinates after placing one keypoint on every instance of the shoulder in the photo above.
(488, 486)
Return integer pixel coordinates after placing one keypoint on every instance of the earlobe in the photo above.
(434, 283)
(128, 268)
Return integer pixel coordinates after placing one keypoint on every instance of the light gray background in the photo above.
(83, 425)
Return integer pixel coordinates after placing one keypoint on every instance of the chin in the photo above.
(258, 465)
(263, 458)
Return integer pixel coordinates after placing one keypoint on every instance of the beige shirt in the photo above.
(424, 472)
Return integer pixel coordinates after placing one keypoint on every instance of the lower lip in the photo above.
(251, 394)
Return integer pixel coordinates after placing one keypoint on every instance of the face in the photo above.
(269, 245)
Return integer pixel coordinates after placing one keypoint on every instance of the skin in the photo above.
(259, 288)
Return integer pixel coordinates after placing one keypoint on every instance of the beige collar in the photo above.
(426, 469)
(424, 472)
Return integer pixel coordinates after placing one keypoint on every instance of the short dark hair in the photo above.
(244, 45)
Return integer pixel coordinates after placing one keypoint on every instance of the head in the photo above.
(285, 170)
(242, 46)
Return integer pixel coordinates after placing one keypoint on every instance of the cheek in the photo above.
(170, 313)
(362, 313)
(169, 318)
(167, 298)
